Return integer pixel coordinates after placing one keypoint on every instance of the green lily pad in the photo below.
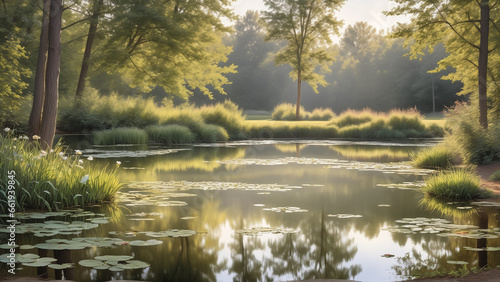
(139, 243)
(40, 262)
(7, 246)
(91, 263)
(171, 233)
(113, 258)
(61, 266)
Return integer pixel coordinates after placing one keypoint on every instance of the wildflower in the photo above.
(15, 139)
(7, 129)
(43, 153)
(84, 179)
(35, 137)
(26, 137)
(118, 163)
(80, 161)
(78, 152)
(60, 154)
(90, 158)
(52, 150)
(64, 158)
(79, 166)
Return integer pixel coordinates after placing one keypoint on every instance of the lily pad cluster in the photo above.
(52, 228)
(261, 230)
(80, 243)
(168, 187)
(397, 167)
(113, 263)
(441, 227)
(34, 260)
(285, 209)
(107, 154)
(344, 216)
(404, 186)
(170, 233)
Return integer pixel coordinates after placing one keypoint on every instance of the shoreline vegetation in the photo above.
(115, 120)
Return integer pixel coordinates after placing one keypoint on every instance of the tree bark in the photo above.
(49, 117)
(88, 49)
(299, 86)
(483, 63)
(39, 91)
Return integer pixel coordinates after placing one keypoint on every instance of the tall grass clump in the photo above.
(51, 180)
(321, 114)
(437, 157)
(495, 176)
(227, 115)
(170, 134)
(475, 144)
(354, 117)
(406, 120)
(287, 111)
(122, 135)
(211, 133)
(456, 184)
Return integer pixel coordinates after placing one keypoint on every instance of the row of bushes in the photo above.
(169, 134)
(97, 113)
(52, 179)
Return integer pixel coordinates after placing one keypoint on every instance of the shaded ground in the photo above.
(485, 171)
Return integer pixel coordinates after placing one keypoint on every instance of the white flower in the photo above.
(36, 137)
(7, 129)
(84, 179)
(90, 158)
(52, 150)
(26, 137)
(79, 166)
(43, 153)
(80, 161)
(15, 139)
(118, 163)
(78, 152)
(64, 158)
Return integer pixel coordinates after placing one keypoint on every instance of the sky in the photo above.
(353, 11)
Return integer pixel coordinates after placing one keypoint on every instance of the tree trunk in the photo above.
(88, 50)
(48, 127)
(483, 63)
(39, 91)
(299, 84)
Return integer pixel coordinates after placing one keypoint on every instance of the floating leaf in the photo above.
(91, 263)
(457, 262)
(113, 258)
(61, 266)
(140, 243)
(171, 233)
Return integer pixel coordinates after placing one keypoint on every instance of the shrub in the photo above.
(321, 114)
(226, 115)
(434, 130)
(170, 134)
(51, 180)
(122, 135)
(211, 133)
(287, 111)
(459, 184)
(405, 120)
(354, 117)
(495, 176)
(476, 145)
(437, 157)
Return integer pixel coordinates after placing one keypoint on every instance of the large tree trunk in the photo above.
(48, 127)
(88, 49)
(39, 91)
(483, 63)
(299, 86)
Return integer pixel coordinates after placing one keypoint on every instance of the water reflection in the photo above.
(323, 247)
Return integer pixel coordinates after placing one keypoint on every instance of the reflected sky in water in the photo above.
(323, 246)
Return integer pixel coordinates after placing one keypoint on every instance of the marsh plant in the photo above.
(52, 179)
(287, 111)
(437, 157)
(457, 183)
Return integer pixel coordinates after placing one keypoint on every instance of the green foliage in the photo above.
(170, 134)
(353, 117)
(287, 111)
(475, 144)
(458, 184)
(456, 25)
(406, 120)
(51, 180)
(226, 115)
(495, 176)
(437, 157)
(120, 135)
(299, 130)
(211, 133)
(11, 79)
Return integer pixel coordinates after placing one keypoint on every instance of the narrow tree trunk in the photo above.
(39, 91)
(483, 63)
(299, 84)
(48, 127)
(88, 50)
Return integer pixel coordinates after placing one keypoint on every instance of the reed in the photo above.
(170, 134)
(437, 157)
(122, 135)
(457, 184)
(51, 180)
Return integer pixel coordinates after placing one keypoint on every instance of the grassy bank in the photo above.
(31, 178)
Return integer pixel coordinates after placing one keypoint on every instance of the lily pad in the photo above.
(40, 262)
(140, 243)
(460, 262)
(113, 258)
(171, 233)
(61, 266)
(91, 263)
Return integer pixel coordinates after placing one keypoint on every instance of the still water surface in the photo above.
(281, 211)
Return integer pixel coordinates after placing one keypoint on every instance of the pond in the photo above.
(267, 210)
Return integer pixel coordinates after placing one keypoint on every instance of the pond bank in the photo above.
(485, 171)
